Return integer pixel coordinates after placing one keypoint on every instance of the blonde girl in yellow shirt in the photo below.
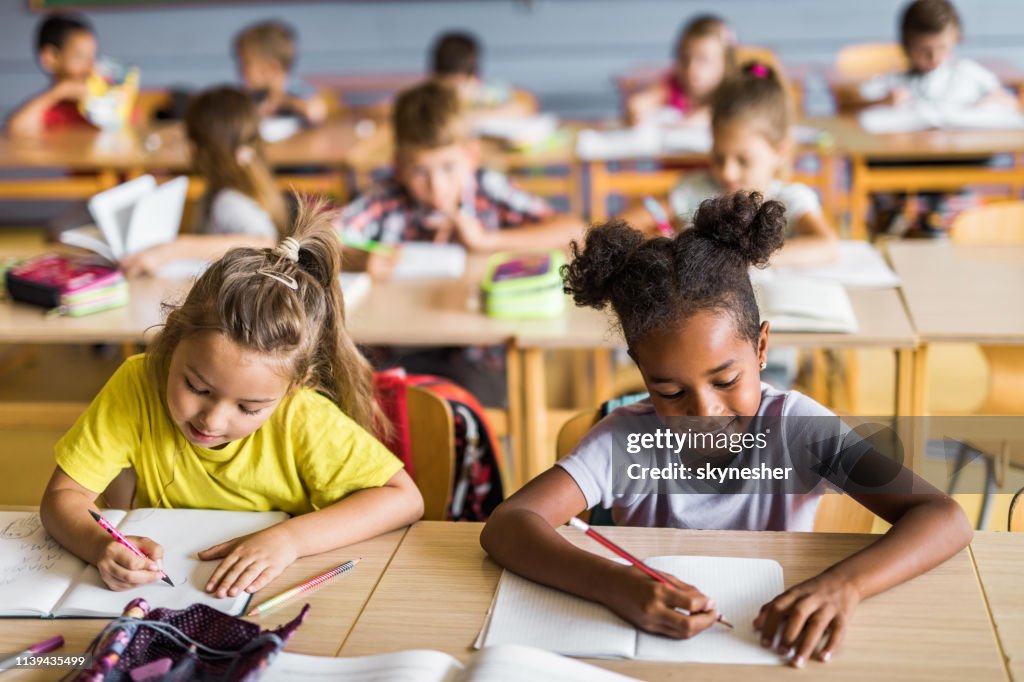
(236, 406)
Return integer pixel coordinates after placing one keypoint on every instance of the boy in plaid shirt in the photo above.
(439, 194)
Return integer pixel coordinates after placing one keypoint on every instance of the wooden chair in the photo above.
(864, 60)
(1015, 520)
(836, 513)
(432, 433)
(994, 225)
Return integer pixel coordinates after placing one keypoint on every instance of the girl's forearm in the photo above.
(65, 515)
(360, 516)
(524, 543)
(924, 537)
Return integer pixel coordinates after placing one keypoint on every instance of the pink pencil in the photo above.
(116, 534)
(302, 588)
(654, 575)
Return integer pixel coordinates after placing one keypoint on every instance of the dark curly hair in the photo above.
(652, 284)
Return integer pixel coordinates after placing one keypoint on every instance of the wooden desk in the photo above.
(439, 586)
(959, 294)
(336, 607)
(880, 313)
(999, 558)
(945, 145)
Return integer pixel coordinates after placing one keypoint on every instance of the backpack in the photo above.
(477, 487)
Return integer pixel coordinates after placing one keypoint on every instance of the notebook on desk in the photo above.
(859, 266)
(802, 304)
(39, 578)
(909, 119)
(494, 664)
(131, 217)
(529, 614)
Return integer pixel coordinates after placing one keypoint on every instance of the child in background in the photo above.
(705, 55)
(752, 151)
(66, 49)
(265, 54)
(242, 205)
(455, 61)
(252, 398)
(690, 321)
(929, 33)
(440, 194)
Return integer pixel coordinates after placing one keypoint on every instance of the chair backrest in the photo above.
(1015, 519)
(432, 434)
(836, 513)
(995, 224)
(865, 60)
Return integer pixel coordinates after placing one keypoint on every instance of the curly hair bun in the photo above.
(743, 223)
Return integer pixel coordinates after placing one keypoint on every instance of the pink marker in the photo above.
(105, 525)
(46, 646)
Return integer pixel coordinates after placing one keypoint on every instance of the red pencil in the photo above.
(654, 575)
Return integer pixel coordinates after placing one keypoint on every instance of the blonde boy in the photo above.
(265, 54)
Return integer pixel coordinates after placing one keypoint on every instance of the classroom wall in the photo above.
(565, 50)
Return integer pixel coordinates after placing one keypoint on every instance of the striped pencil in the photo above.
(303, 588)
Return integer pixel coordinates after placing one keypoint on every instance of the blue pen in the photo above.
(660, 218)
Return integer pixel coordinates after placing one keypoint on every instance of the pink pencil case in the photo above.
(75, 285)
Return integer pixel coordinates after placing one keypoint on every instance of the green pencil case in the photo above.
(524, 285)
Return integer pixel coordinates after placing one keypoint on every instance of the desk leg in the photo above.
(858, 198)
(599, 182)
(904, 406)
(536, 457)
(920, 394)
(576, 187)
(513, 470)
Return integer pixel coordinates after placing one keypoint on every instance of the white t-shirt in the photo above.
(232, 212)
(805, 438)
(686, 197)
(955, 83)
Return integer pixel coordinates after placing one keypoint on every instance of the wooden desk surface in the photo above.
(999, 558)
(880, 314)
(439, 586)
(164, 147)
(335, 607)
(960, 293)
(849, 138)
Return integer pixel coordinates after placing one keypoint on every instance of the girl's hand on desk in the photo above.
(380, 265)
(148, 262)
(249, 562)
(805, 615)
(655, 607)
(123, 570)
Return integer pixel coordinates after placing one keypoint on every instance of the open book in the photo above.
(38, 577)
(802, 304)
(132, 217)
(909, 119)
(530, 614)
(495, 664)
(860, 266)
(425, 260)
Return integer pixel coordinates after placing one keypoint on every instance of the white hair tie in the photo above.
(288, 248)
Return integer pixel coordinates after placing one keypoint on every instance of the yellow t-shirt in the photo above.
(307, 456)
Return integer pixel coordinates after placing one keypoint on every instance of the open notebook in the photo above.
(530, 614)
(40, 578)
(803, 304)
(909, 119)
(860, 266)
(496, 664)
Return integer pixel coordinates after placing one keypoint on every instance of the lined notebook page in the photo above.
(182, 533)
(35, 570)
(531, 614)
(740, 587)
(403, 666)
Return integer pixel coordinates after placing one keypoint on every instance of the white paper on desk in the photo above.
(696, 138)
(860, 266)
(355, 286)
(183, 533)
(519, 130)
(800, 304)
(277, 128)
(618, 144)
(740, 587)
(401, 666)
(424, 260)
(183, 269)
(881, 120)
